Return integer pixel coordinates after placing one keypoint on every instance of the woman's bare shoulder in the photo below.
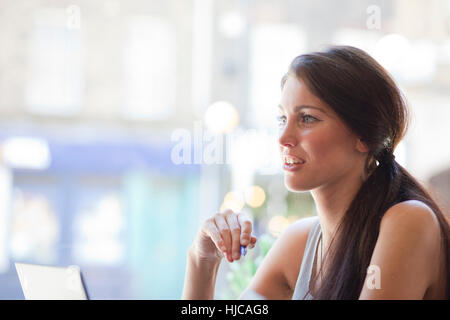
(300, 229)
(407, 252)
(304, 224)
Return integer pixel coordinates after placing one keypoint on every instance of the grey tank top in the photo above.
(302, 285)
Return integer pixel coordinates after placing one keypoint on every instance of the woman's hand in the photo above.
(222, 235)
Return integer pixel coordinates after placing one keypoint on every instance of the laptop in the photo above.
(41, 282)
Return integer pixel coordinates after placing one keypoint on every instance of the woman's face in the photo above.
(310, 130)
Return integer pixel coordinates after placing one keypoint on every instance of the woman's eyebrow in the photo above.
(303, 106)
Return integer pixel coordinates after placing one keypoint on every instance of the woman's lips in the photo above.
(292, 162)
(292, 167)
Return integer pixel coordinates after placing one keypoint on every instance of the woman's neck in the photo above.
(332, 201)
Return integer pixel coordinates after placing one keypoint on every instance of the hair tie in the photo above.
(386, 156)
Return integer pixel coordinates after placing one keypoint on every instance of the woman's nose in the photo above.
(287, 136)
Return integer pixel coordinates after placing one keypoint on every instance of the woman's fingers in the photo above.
(252, 242)
(246, 228)
(225, 234)
(235, 228)
(212, 231)
(229, 231)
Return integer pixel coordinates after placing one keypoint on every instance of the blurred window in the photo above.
(55, 65)
(6, 180)
(98, 229)
(34, 228)
(150, 69)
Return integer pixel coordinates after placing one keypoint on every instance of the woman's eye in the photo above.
(307, 117)
(281, 120)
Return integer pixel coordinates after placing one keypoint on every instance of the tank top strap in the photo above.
(302, 285)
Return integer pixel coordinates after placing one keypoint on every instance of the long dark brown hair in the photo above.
(366, 98)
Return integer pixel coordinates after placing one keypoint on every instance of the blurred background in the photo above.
(124, 124)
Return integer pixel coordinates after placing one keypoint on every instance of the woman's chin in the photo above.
(296, 186)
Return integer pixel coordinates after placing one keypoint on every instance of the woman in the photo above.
(378, 234)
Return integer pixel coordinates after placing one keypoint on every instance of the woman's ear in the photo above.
(361, 146)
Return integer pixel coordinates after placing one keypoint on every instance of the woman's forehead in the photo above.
(295, 93)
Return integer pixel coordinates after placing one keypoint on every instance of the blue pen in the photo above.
(243, 250)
